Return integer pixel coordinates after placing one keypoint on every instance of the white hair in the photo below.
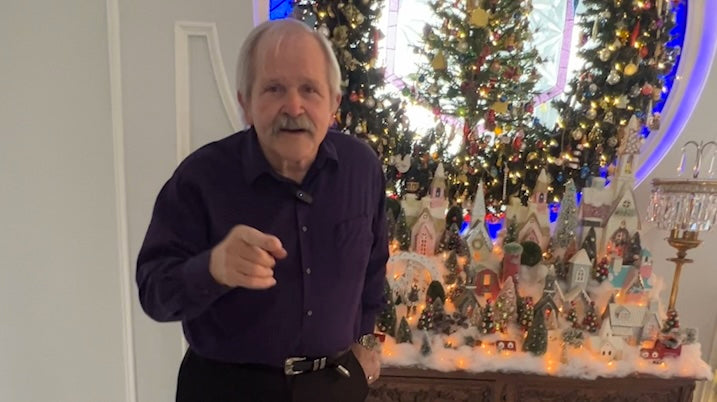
(280, 29)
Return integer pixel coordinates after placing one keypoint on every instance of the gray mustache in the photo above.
(285, 122)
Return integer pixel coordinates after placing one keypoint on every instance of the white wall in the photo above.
(149, 92)
(60, 317)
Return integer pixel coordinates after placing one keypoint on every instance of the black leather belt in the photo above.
(300, 365)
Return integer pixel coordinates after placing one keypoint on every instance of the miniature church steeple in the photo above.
(478, 211)
(540, 192)
(478, 239)
(438, 188)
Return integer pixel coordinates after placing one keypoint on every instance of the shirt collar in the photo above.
(255, 164)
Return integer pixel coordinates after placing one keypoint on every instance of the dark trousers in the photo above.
(205, 380)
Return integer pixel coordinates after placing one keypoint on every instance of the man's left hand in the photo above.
(370, 361)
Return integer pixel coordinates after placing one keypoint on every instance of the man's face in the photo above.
(291, 105)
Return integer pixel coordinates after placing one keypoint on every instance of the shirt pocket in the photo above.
(353, 238)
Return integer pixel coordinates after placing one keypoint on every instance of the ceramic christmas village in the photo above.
(579, 300)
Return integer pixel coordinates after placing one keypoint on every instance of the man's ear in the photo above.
(246, 110)
(338, 102)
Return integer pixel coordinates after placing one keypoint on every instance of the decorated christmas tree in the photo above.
(451, 240)
(567, 223)
(672, 321)
(386, 321)
(488, 319)
(480, 68)
(536, 342)
(425, 344)
(475, 317)
(526, 311)
(404, 332)
(452, 267)
(425, 320)
(601, 271)
(624, 46)
(505, 307)
(403, 233)
(590, 322)
(366, 109)
(511, 231)
(573, 337)
(590, 244)
(572, 316)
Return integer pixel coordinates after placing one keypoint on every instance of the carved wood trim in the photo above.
(417, 385)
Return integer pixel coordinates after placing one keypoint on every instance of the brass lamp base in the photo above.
(682, 241)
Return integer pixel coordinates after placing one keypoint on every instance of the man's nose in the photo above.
(293, 104)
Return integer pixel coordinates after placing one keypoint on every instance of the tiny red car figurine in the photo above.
(662, 349)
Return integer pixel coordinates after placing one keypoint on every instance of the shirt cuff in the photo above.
(199, 282)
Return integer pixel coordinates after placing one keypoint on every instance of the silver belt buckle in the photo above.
(289, 365)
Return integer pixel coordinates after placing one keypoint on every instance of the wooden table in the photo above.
(418, 385)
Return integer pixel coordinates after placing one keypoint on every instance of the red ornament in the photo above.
(517, 143)
(644, 52)
(353, 97)
(466, 130)
(529, 107)
(647, 89)
(491, 117)
(635, 33)
(485, 52)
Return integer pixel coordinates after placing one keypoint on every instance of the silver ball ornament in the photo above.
(613, 78)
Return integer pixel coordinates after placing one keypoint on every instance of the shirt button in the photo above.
(308, 271)
(304, 228)
(300, 194)
(309, 313)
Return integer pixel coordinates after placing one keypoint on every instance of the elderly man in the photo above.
(270, 244)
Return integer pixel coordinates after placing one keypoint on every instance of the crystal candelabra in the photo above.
(685, 207)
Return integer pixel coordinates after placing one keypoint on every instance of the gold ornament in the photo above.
(621, 102)
(439, 62)
(630, 69)
(498, 131)
(341, 36)
(604, 54)
(500, 107)
(479, 18)
(532, 156)
(613, 78)
(353, 14)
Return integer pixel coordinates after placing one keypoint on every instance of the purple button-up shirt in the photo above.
(329, 288)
